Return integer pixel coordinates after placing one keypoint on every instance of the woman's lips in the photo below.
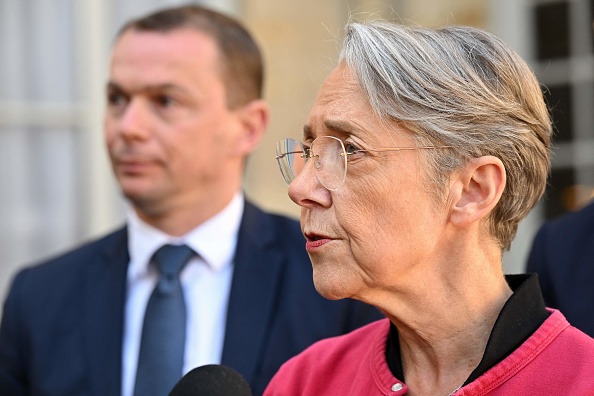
(315, 241)
(310, 245)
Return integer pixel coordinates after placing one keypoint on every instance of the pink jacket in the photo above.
(557, 359)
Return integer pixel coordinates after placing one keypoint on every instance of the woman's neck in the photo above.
(443, 340)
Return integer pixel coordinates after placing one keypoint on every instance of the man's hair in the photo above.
(461, 87)
(240, 57)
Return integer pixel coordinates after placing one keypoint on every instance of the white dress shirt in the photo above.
(206, 281)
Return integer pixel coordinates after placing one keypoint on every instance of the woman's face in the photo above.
(376, 231)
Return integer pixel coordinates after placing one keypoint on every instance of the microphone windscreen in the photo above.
(212, 380)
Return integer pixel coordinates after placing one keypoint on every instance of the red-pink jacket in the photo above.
(557, 359)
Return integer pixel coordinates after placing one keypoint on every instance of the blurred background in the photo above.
(56, 187)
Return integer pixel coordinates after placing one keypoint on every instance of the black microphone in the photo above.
(212, 380)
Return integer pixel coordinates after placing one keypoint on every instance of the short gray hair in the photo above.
(462, 87)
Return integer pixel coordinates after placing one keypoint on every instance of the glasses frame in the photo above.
(308, 153)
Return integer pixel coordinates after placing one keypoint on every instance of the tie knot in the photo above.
(170, 259)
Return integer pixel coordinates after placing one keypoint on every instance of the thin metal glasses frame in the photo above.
(289, 174)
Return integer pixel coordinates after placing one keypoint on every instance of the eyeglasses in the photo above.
(329, 159)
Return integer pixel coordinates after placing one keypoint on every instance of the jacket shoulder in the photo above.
(574, 222)
(90, 248)
(313, 371)
(67, 266)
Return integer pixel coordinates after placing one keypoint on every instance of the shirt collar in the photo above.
(214, 240)
(519, 318)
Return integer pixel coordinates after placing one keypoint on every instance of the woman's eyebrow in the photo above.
(340, 126)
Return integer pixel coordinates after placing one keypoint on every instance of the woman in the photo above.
(424, 150)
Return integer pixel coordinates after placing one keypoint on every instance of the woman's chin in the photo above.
(331, 288)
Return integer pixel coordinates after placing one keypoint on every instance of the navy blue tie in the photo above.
(161, 357)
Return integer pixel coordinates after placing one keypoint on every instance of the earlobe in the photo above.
(477, 190)
(254, 118)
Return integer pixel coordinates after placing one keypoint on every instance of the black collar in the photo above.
(519, 318)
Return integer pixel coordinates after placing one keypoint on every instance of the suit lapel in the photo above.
(105, 294)
(255, 281)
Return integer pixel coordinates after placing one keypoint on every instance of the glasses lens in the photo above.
(329, 161)
(328, 156)
(290, 157)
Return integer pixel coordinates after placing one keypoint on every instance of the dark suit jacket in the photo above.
(61, 331)
(563, 256)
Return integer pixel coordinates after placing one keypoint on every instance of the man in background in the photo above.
(199, 275)
(563, 256)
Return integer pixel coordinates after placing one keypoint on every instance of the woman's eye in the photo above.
(351, 149)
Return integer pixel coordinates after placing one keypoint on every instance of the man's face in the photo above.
(168, 129)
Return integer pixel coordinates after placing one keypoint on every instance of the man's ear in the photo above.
(476, 190)
(254, 118)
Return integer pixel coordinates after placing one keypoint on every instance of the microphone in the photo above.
(212, 380)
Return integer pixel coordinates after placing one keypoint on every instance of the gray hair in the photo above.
(461, 87)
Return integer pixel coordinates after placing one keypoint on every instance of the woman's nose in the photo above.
(306, 190)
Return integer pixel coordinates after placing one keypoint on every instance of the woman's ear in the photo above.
(476, 190)
(254, 118)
